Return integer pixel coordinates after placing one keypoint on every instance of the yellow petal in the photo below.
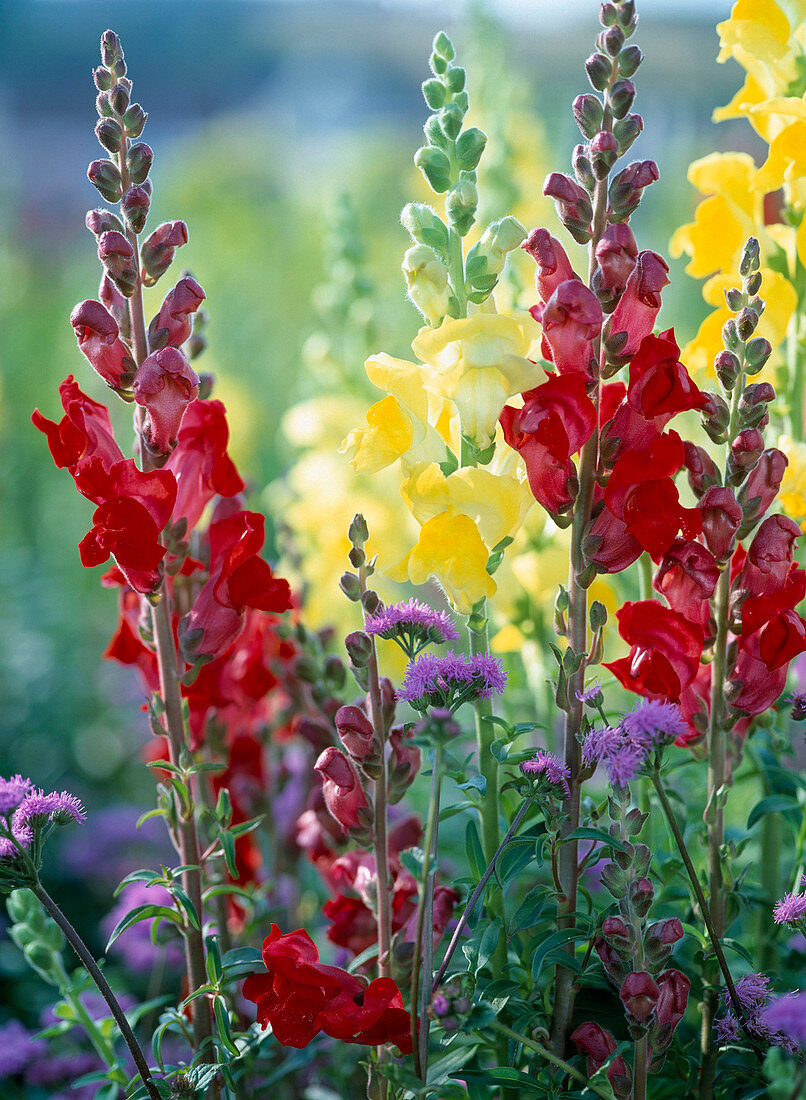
(388, 435)
(450, 549)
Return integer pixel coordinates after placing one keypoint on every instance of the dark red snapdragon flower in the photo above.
(572, 320)
(200, 461)
(174, 323)
(553, 265)
(639, 304)
(665, 650)
(299, 997)
(344, 795)
(99, 339)
(165, 385)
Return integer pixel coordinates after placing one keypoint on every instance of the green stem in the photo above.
(795, 368)
(553, 1059)
(423, 953)
(640, 1068)
(97, 976)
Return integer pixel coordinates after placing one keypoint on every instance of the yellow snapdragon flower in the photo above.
(792, 497)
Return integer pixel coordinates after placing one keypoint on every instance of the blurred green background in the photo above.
(261, 115)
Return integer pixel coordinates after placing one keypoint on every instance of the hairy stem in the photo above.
(97, 976)
(474, 897)
(423, 951)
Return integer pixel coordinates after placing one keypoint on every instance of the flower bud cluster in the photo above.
(38, 936)
(635, 953)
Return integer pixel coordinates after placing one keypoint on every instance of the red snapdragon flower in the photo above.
(200, 461)
(687, 576)
(165, 385)
(173, 324)
(84, 430)
(344, 795)
(553, 265)
(665, 650)
(99, 339)
(572, 320)
(556, 420)
(299, 997)
(239, 579)
(639, 304)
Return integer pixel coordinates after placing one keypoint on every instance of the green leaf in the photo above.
(586, 833)
(773, 804)
(529, 911)
(141, 913)
(525, 1083)
(222, 1022)
(564, 935)
(143, 875)
(227, 843)
(187, 905)
(489, 942)
(474, 851)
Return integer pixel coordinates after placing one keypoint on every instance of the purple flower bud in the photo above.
(138, 161)
(105, 177)
(135, 206)
(639, 994)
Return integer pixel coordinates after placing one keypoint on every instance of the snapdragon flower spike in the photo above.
(412, 625)
(447, 682)
(545, 765)
(165, 385)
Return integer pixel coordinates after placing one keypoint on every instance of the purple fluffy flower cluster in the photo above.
(447, 681)
(33, 809)
(791, 909)
(625, 747)
(549, 766)
(786, 1016)
(413, 625)
(761, 1015)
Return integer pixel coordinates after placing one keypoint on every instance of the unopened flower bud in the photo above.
(745, 451)
(612, 40)
(614, 879)
(404, 762)
(629, 59)
(109, 134)
(641, 894)
(715, 417)
(756, 354)
(135, 206)
(426, 282)
(117, 256)
(174, 322)
(350, 586)
(727, 367)
(750, 261)
(588, 112)
(583, 169)
(134, 121)
(627, 186)
(138, 161)
(359, 647)
(702, 470)
(105, 177)
(573, 205)
(603, 153)
(616, 254)
(611, 959)
(103, 79)
(753, 405)
(607, 14)
(119, 97)
(599, 69)
(614, 928)
(101, 221)
(621, 97)
(158, 249)
(721, 519)
(111, 50)
(626, 130)
(761, 488)
(344, 795)
(469, 146)
(639, 994)
(746, 323)
(435, 166)
(355, 731)
(461, 205)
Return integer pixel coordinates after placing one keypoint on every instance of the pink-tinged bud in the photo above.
(139, 160)
(135, 205)
(117, 305)
(721, 519)
(665, 932)
(553, 265)
(157, 252)
(174, 322)
(639, 304)
(344, 795)
(388, 700)
(356, 732)
(616, 929)
(101, 221)
(573, 205)
(603, 150)
(572, 320)
(619, 1074)
(761, 487)
(639, 994)
(626, 187)
(616, 254)
(745, 451)
(611, 960)
(404, 762)
(105, 178)
(595, 1043)
(753, 405)
(641, 894)
(117, 256)
(98, 337)
(165, 385)
(671, 1005)
(702, 470)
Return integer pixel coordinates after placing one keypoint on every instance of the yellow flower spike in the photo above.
(497, 505)
(758, 36)
(388, 435)
(792, 497)
(450, 549)
(479, 362)
(780, 298)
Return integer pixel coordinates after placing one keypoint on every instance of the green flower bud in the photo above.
(461, 205)
(734, 299)
(119, 97)
(349, 585)
(628, 60)
(489, 255)
(426, 282)
(626, 130)
(456, 79)
(756, 353)
(436, 168)
(134, 120)
(599, 69)
(138, 161)
(588, 112)
(444, 47)
(469, 147)
(425, 227)
(621, 97)
(434, 134)
(434, 94)
(750, 261)
(109, 134)
(105, 177)
(746, 323)
(358, 532)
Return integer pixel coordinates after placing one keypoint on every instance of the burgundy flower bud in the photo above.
(687, 576)
(388, 700)
(588, 112)
(621, 97)
(102, 221)
(404, 762)
(117, 256)
(103, 79)
(639, 994)
(359, 648)
(670, 1008)
(553, 265)
(119, 96)
(344, 795)
(612, 39)
(174, 322)
(727, 367)
(603, 153)
(135, 206)
(753, 412)
(619, 1074)
(721, 519)
(639, 304)
(599, 69)
(745, 451)
(702, 470)
(595, 1043)
(134, 121)
(611, 960)
(626, 187)
(626, 130)
(165, 385)
(615, 929)
(98, 337)
(573, 205)
(715, 417)
(115, 303)
(572, 320)
(157, 252)
(105, 177)
(138, 161)
(641, 894)
(583, 169)
(111, 51)
(355, 731)
(665, 932)
(616, 254)
(109, 134)
(761, 488)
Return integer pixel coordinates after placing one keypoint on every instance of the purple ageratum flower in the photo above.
(612, 746)
(18, 1048)
(790, 909)
(57, 806)
(591, 695)
(624, 763)
(786, 1017)
(413, 625)
(12, 792)
(446, 681)
(654, 724)
(753, 991)
(548, 765)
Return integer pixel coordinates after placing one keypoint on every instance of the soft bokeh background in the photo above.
(261, 114)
